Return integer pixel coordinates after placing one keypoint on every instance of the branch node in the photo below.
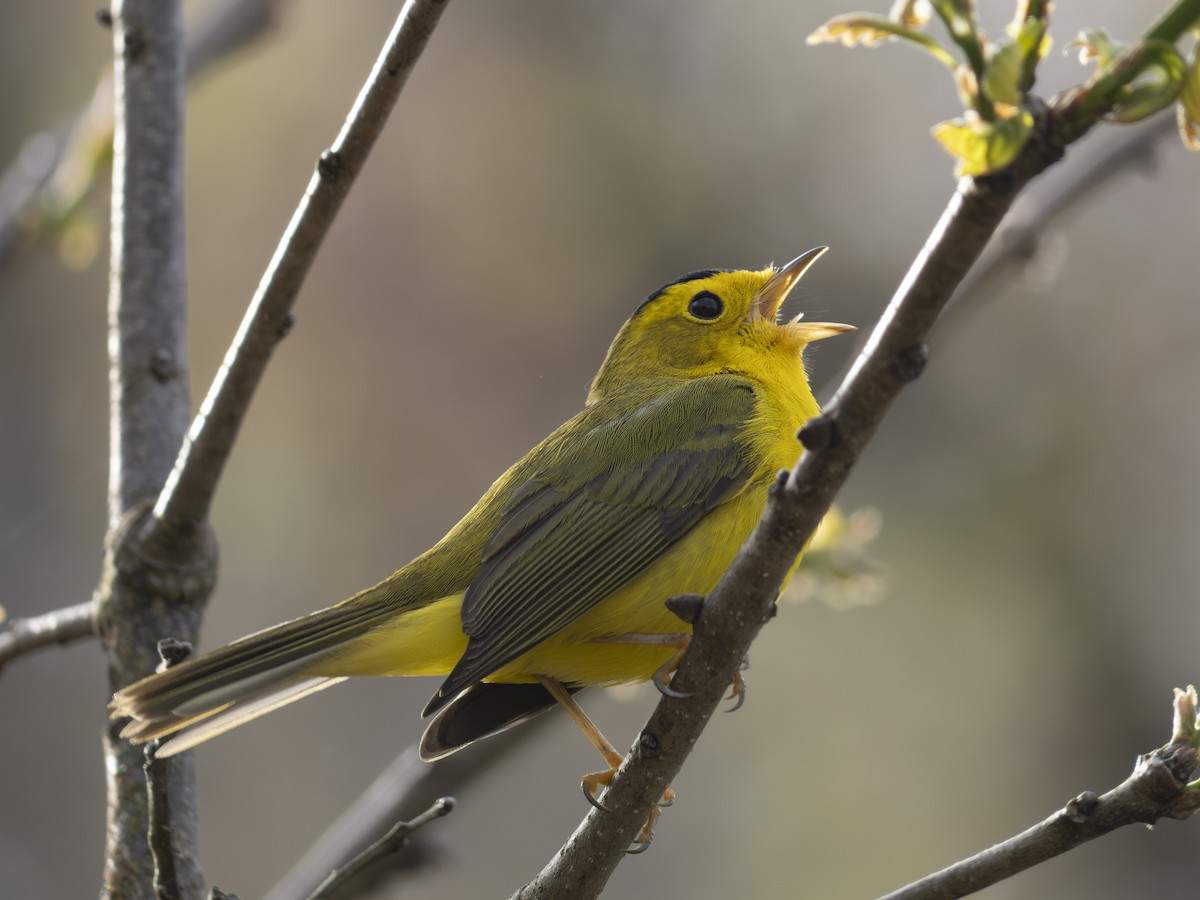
(163, 366)
(911, 362)
(1082, 808)
(688, 607)
(817, 434)
(330, 165)
(172, 651)
(649, 746)
(133, 46)
(285, 326)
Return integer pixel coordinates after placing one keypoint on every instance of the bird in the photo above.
(557, 578)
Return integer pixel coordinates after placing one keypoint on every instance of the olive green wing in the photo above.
(564, 544)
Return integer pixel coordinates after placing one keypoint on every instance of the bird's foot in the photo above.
(594, 786)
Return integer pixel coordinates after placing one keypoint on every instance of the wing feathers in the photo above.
(562, 548)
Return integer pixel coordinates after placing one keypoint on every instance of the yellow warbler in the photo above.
(556, 578)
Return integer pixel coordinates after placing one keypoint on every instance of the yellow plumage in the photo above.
(558, 575)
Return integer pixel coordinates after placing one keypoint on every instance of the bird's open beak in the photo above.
(766, 305)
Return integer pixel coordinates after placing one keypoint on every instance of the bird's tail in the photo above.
(202, 697)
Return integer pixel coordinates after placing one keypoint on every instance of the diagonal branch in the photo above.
(1157, 789)
(744, 600)
(190, 488)
(405, 787)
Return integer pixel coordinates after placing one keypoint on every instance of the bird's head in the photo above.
(710, 322)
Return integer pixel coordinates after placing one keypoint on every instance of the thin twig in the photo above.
(201, 460)
(1157, 789)
(391, 842)
(407, 784)
(160, 835)
(160, 832)
(62, 626)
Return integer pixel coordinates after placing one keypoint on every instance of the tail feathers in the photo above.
(198, 730)
(481, 710)
(245, 679)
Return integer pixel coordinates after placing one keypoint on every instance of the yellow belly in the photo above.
(430, 641)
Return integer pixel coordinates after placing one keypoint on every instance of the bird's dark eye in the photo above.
(706, 305)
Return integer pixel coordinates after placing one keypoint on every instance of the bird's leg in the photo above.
(595, 782)
(662, 675)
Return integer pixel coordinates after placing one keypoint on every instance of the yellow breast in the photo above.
(429, 641)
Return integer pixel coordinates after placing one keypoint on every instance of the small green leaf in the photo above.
(983, 147)
(1033, 40)
(871, 30)
(1002, 77)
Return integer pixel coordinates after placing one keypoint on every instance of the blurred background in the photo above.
(548, 165)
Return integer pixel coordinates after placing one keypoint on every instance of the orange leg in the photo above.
(594, 783)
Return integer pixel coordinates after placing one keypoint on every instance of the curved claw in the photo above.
(592, 799)
(738, 687)
(667, 802)
(664, 688)
(738, 699)
(639, 847)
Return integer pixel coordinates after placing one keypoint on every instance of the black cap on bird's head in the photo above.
(710, 321)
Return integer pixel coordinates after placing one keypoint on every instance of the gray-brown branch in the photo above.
(147, 590)
(161, 560)
(744, 600)
(203, 456)
(62, 626)
(1157, 789)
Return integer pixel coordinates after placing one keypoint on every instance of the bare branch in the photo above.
(1157, 789)
(744, 599)
(407, 785)
(160, 776)
(62, 626)
(168, 554)
(145, 590)
(736, 610)
(191, 486)
(391, 842)
(161, 834)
